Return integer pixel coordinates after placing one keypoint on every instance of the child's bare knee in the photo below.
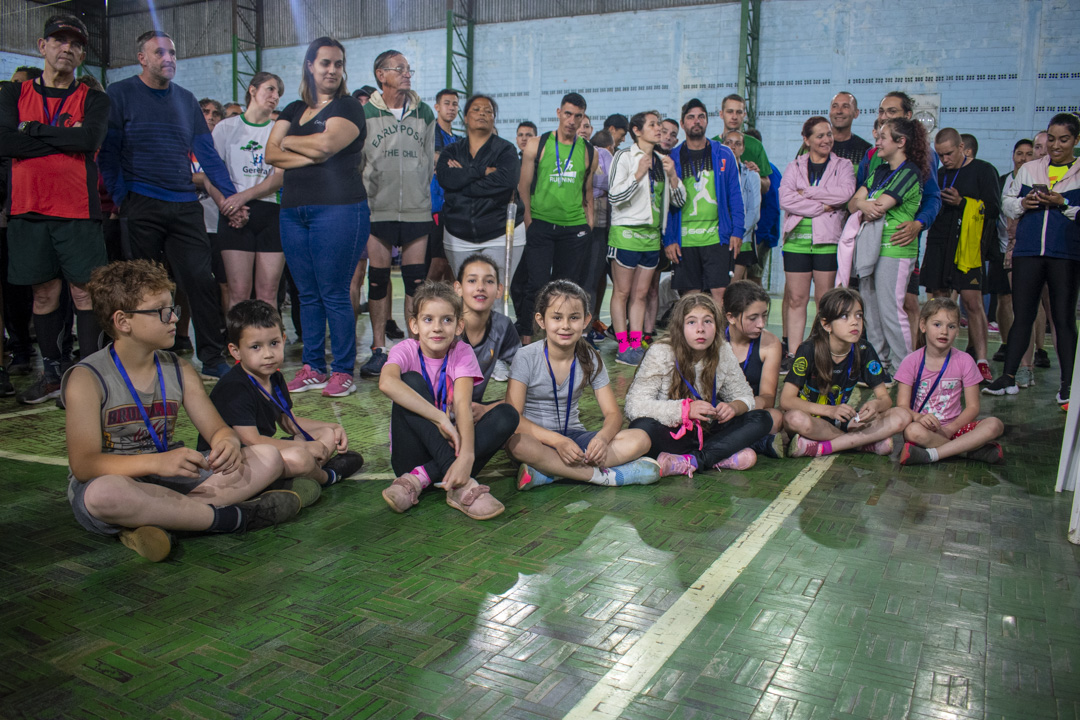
(797, 422)
(108, 496)
(264, 460)
(995, 425)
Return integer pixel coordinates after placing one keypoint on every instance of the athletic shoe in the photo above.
(785, 363)
(474, 500)
(993, 327)
(914, 455)
(999, 356)
(984, 369)
(609, 333)
(671, 464)
(642, 471)
(267, 509)
(150, 541)
(339, 385)
(345, 464)
(374, 364)
(305, 488)
(801, 447)
(1062, 396)
(501, 372)
(529, 477)
(393, 331)
(742, 460)
(307, 379)
(599, 326)
(42, 390)
(214, 372)
(990, 453)
(646, 340)
(772, 446)
(182, 345)
(594, 337)
(1025, 377)
(1004, 385)
(403, 493)
(881, 447)
(630, 356)
(1042, 359)
(6, 388)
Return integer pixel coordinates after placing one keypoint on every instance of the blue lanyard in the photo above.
(814, 181)
(279, 402)
(749, 351)
(53, 118)
(404, 109)
(559, 169)
(161, 442)
(692, 389)
(439, 392)
(880, 185)
(555, 389)
(918, 379)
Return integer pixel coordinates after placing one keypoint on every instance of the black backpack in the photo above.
(590, 152)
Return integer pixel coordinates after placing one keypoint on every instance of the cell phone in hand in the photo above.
(1041, 189)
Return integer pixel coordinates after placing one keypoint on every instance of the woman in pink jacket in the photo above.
(813, 193)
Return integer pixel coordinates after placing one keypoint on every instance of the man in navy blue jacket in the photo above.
(154, 126)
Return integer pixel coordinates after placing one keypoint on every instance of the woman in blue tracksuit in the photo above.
(1045, 197)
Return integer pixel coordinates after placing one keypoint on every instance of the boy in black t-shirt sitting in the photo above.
(254, 400)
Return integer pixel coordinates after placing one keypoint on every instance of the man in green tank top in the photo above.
(556, 190)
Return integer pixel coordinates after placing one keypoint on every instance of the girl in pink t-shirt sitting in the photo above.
(433, 437)
(931, 382)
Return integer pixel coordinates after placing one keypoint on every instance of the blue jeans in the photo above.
(322, 245)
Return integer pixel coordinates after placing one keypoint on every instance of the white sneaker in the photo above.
(501, 372)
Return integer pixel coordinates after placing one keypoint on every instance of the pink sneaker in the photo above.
(307, 379)
(801, 447)
(742, 460)
(984, 370)
(881, 447)
(340, 385)
(675, 465)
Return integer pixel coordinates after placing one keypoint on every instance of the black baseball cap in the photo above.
(366, 90)
(617, 121)
(58, 24)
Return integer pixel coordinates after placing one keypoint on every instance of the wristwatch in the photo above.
(23, 125)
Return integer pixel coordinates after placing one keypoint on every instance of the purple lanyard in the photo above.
(555, 389)
(439, 392)
(52, 118)
(918, 379)
(692, 389)
(161, 442)
(279, 402)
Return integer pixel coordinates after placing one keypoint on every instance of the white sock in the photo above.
(602, 477)
(932, 452)
(982, 360)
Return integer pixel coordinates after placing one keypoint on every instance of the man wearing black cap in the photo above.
(51, 127)
(618, 126)
(364, 94)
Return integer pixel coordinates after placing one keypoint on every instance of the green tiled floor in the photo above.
(941, 592)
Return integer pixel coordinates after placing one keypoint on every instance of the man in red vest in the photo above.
(52, 127)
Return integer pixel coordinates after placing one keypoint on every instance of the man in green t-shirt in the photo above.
(556, 191)
(733, 112)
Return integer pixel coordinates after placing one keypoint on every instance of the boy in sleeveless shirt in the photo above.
(128, 475)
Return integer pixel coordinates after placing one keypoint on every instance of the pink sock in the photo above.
(635, 339)
(623, 345)
(824, 447)
(421, 473)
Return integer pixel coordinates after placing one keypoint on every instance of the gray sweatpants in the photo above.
(886, 322)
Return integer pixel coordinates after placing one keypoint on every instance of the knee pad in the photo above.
(412, 276)
(378, 283)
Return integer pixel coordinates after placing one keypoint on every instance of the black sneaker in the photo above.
(6, 388)
(345, 464)
(269, 508)
(785, 364)
(1004, 385)
(373, 366)
(999, 356)
(42, 390)
(1042, 359)
(393, 331)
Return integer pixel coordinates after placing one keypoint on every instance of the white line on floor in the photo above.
(41, 459)
(30, 411)
(623, 682)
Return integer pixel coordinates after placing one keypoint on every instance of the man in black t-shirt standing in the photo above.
(842, 113)
(950, 261)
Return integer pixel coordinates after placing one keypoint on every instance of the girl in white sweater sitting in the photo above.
(690, 396)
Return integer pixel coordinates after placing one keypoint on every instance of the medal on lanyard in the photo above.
(918, 379)
(692, 389)
(749, 351)
(161, 442)
(279, 402)
(555, 389)
(559, 169)
(51, 118)
(439, 391)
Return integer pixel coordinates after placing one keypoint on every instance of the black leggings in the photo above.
(1062, 277)
(416, 440)
(721, 441)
